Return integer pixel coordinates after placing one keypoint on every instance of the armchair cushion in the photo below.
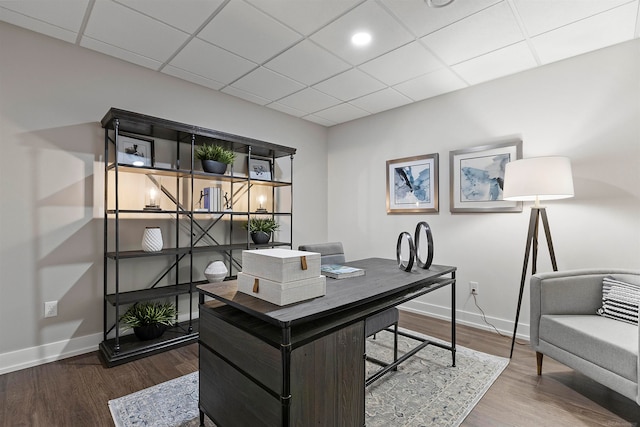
(605, 342)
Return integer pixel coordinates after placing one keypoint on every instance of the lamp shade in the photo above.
(538, 178)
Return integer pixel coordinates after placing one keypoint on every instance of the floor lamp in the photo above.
(535, 179)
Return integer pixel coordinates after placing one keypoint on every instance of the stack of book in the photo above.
(212, 199)
(336, 271)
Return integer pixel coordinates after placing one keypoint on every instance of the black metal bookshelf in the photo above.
(121, 288)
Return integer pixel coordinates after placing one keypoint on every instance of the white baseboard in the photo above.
(466, 318)
(34, 356)
(39, 355)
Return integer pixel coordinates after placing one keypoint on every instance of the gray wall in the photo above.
(53, 95)
(586, 108)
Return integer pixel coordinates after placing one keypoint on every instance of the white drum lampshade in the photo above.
(538, 178)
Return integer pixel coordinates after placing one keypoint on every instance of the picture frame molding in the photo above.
(432, 207)
(510, 146)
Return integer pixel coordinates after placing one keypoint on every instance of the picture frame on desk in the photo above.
(412, 184)
(476, 178)
(135, 151)
(260, 169)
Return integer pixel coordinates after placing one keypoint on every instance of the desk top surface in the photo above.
(382, 280)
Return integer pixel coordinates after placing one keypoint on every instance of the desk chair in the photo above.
(333, 253)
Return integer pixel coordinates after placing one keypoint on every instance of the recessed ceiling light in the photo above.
(361, 39)
(438, 3)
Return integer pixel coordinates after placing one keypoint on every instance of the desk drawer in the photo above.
(258, 359)
(232, 400)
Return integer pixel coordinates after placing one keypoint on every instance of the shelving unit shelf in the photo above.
(144, 154)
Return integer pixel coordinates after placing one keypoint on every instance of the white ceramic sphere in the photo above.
(216, 271)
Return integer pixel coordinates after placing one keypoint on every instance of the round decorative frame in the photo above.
(412, 249)
(423, 225)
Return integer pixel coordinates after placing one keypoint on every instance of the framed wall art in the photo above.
(477, 177)
(412, 184)
(135, 151)
(260, 169)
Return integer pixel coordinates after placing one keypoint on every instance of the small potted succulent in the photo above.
(149, 320)
(214, 158)
(261, 229)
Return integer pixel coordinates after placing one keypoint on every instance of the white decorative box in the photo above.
(281, 265)
(282, 293)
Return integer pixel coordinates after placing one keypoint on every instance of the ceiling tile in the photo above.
(387, 34)
(288, 110)
(404, 63)
(238, 93)
(122, 27)
(319, 120)
(605, 29)
(193, 78)
(267, 84)
(432, 84)
(488, 30)
(201, 58)
(341, 113)
(308, 63)
(244, 30)
(36, 25)
(66, 14)
(188, 17)
(499, 63)
(122, 54)
(385, 99)
(422, 19)
(305, 17)
(309, 100)
(349, 85)
(544, 15)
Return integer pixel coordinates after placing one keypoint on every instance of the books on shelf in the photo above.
(212, 199)
(336, 271)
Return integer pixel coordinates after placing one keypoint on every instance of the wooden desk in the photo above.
(301, 364)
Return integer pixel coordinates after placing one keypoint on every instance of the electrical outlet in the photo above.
(473, 288)
(51, 309)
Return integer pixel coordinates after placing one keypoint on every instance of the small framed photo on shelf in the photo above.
(135, 151)
(412, 184)
(477, 178)
(260, 169)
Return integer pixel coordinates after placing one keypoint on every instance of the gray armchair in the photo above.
(565, 326)
(333, 253)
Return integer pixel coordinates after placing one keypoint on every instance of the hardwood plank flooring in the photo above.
(75, 391)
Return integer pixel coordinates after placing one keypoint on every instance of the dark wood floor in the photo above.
(75, 391)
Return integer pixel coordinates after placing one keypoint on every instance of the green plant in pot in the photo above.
(149, 320)
(214, 158)
(261, 229)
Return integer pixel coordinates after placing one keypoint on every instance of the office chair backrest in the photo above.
(330, 253)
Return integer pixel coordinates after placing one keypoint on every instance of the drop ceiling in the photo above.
(295, 56)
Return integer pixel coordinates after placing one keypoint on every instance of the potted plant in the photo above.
(149, 320)
(214, 158)
(261, 229)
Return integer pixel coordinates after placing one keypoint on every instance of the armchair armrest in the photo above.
(570, 292)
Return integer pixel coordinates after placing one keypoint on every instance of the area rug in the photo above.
(425, 391)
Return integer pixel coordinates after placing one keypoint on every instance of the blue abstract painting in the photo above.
(482, 178)
(412, 184)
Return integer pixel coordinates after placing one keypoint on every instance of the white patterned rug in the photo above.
(425, 391)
